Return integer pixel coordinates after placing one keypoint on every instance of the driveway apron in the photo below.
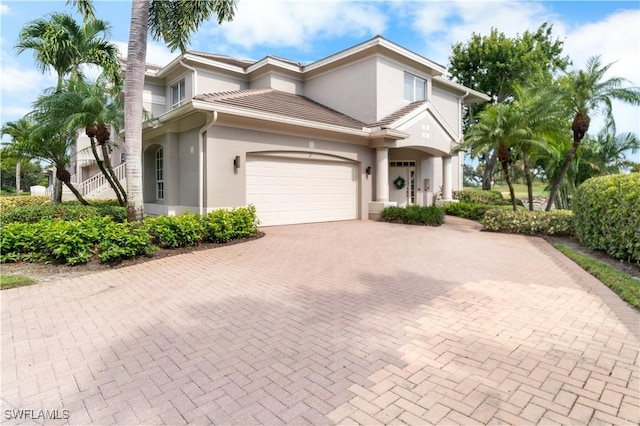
(354, 322)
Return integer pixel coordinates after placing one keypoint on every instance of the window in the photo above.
(415, 88)
(177, 94)
(160, 174)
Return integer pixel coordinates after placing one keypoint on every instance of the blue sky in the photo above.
(306, 31)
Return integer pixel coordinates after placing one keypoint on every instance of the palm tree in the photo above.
(20, 131)
(498, 128)
(605, 154)
(173, 22)
(63, 45)
(586, 92)
(95, 107)
(541, 119)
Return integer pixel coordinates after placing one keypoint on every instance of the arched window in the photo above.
(159, 174)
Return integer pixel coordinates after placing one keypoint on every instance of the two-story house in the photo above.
(336, 139)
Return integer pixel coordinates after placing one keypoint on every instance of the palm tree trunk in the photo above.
(527, 176)
(65, 177)
(18, 171)
(104, 171)
(134, 82)
(553, 192)
(489, 167)
(512, 193)
(117, 187)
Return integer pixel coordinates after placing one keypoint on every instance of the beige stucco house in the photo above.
(336, 139)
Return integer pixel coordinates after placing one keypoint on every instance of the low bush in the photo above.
(607, 215)
(415, 215)
(557, 222)
(470, 209)
(480, 196)
(75, 242)
(67, 212)
(9, 203)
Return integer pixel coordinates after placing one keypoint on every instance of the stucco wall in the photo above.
(228, 189)
(211, 82)
(277, 81)
(154, 99)
(448, 107)
(350, 89)
(390, 85)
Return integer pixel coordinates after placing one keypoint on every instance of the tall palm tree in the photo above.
(605, 154)
(61, 44)
(20, 131)
(172, 21)
(498, 128)
(94, 107)
(586, 92)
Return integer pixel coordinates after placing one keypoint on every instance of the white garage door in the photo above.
(287, 191)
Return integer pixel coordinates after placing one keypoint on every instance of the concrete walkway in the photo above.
(337, 323)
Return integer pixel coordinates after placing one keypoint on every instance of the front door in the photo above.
(402, 182)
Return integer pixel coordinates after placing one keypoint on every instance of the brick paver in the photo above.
(349, 322)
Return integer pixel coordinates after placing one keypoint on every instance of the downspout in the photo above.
(212, 118)
(460, 171)
(195, 78)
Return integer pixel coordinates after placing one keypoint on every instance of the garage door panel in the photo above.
(287, 191)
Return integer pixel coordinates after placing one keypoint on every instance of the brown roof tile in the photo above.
(243, 63)
(281, 103)
(386, 121)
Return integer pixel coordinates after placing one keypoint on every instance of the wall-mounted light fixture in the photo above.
(236, 164)
(368, 170)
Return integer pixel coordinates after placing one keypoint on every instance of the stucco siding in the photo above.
(349, 90)
(277, 81)
(447, 105)
(390, 86)
(226, 188)
(154, 99)
(188, 156)
(211, 82)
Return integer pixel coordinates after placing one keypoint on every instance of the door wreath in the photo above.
(400, 182)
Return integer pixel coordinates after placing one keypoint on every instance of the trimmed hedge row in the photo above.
(75, 242)
(607, 215)
(557, 222)
(415, 215)
(471, 209)
(8, 203)
(65, 211)
(480, 196)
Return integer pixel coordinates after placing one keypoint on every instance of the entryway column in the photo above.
(382, 174)
(447, 177)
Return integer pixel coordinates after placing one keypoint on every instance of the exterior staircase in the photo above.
(94, 188)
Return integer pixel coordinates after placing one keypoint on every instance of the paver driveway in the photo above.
(350, 322)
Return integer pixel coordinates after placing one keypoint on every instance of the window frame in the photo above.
(415, 80)
(159, 159)
(181, 86)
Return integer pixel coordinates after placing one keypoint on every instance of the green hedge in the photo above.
(480, 196)
(471, 210)
(75, 242)
(416, 215)
(607, 215)
(557, 222)
(66, 211)
(8, 203)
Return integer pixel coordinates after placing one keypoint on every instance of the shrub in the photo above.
(224, 225)
(480, 196)
(416, 215)
(123, 241)
(557, 222)
(607, 215)
(176, 231)
(7, 204)
(468, 209)
(68, 212)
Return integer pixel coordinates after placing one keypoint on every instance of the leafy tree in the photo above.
(585, 92)
(495, 64)
(19, 131)
(61, 44)
(30, 171)
(94, 107)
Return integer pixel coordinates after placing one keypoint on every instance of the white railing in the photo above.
(98, 183)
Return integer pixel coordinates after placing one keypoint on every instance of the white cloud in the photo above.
(616, 37)
(4, 9)
(296, 23)
(157, 54)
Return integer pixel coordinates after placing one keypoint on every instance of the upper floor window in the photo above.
(415, 88)
(177, 94)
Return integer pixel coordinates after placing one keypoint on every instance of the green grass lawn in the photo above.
(521, 189)
(12, 281)
(624, 285)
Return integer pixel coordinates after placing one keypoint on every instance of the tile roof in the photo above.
(389, 119)
(281, 103)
